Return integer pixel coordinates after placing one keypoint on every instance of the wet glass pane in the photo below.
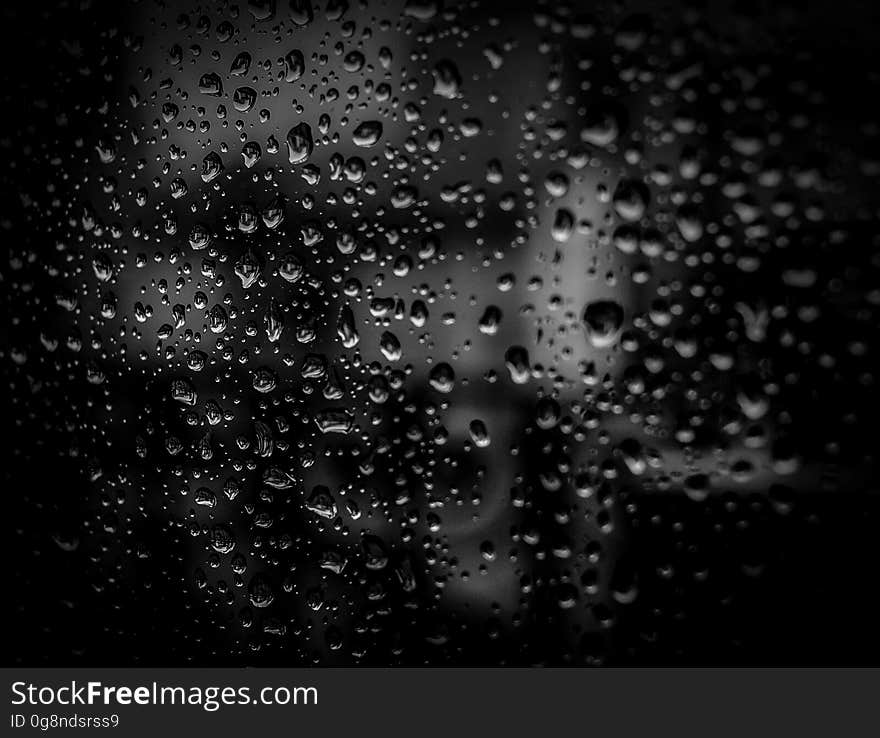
(422, 332)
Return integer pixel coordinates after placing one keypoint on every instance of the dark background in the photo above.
(102, 557)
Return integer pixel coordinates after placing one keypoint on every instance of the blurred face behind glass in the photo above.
(484, 240)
